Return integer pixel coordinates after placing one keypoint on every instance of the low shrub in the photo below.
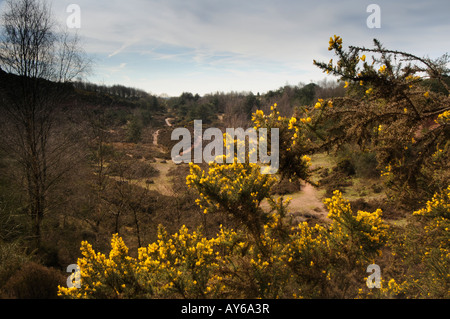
(33, 281)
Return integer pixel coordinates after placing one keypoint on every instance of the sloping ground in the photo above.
(160, 183)
(305, 204)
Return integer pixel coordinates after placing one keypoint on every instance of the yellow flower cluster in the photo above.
(387, 170)
(337, 41)
(97, 271)
(427, 246)
(306, 120)
(293, 139)
(178, 264)
(236, 186)
(292, 122)
(307, 160)
(306, 243)
(258, 118)
(318, 105)
(443, 118)
(261, 120)
(365, 230)
(439, 205)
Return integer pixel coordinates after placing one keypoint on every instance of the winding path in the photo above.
(156, 133)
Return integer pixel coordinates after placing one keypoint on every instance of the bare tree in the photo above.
(39, 60)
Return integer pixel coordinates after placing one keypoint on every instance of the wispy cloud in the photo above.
(123, 47)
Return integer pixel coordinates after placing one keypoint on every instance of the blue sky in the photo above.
(204, 46)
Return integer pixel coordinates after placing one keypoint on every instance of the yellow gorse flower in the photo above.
(318, 105)
(444, 118)
(306, 120)
(292, 122)
(336, 41)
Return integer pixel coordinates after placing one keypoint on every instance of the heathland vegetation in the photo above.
(86, 178)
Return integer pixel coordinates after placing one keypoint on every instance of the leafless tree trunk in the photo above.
(39, 61)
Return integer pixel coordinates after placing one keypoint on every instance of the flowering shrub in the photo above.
(177, 265)
(292, 141)
(181, 263)
(236, 189)
(424, 252)
(400, 111)
(102, 276)
(362, 234)
(285, 261)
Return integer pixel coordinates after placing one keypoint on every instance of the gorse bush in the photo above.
(287, 261)
(424, 252)
(392, 110)
(293, 144)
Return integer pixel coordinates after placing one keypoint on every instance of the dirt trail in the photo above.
(305, 204)
(155, 137)
(308, 202)
(156, 133)
(168, 121)
(161, 183)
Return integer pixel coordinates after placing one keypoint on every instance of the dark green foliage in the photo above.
(134, 130)
(250, 105)
(354, 161)
(189, 107)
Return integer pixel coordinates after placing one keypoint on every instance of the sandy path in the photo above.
(305, 204)
(156, 133)
(308, 202)
(155, 137)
